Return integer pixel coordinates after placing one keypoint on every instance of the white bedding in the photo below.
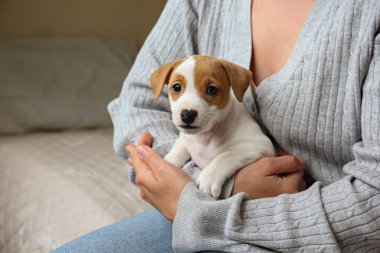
(57, 186)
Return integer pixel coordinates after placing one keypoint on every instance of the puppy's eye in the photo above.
(212, 90)
(177, 88)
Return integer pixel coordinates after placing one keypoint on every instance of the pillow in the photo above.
(49, 84)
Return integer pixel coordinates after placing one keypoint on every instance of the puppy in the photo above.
(216, 131)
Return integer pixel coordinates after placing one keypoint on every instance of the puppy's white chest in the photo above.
(202, 151)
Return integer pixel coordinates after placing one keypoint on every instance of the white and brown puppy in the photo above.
(215, 129)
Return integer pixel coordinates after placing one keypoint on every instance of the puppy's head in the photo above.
(200, 90)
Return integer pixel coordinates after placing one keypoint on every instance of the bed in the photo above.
(59, 175)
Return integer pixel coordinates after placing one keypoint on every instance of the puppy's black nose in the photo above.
(188, 116)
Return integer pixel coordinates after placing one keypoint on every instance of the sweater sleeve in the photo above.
(340, 217)
(134, 111)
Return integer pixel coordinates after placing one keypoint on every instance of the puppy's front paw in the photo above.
(210, 183)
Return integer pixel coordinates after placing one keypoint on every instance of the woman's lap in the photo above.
(145, 232)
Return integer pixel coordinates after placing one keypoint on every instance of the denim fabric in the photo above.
(146, 232)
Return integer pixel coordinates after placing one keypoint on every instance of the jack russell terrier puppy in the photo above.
(216, 131)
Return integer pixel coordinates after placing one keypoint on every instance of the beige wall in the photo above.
(110, 18)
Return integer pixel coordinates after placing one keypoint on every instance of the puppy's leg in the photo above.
(178, 155)
(223, 166)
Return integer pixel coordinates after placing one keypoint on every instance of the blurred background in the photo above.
(61, 63)
(61, 18)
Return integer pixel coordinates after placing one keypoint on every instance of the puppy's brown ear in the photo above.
(160, 77)
(239, 77)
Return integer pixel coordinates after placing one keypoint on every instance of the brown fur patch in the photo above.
(180, 79)
(223, 75)
(162, 75)
(208, 71)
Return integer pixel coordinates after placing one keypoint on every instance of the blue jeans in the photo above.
(146, 232)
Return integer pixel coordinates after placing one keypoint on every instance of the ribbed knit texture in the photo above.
(324, 105)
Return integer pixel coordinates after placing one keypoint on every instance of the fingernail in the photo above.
(141, 150)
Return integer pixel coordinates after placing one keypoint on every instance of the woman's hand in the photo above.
(160, 182)
(271, 176)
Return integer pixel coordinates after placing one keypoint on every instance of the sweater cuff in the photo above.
(283, 223)
(199, 224)
(194, 171)
(227, 188)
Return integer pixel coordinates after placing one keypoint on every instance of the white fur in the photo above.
(227, 139)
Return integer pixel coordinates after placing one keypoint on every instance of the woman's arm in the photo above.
(134, 111)
(343, 216)
(161, 183)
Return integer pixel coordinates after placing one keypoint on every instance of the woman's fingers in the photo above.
(283, 164)
(293, 182)
(143, 171)
(145, 139)
(151, 158)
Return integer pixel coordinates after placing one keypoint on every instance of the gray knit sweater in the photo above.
(323, 105)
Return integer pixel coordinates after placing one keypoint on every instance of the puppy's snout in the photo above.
(188, 116)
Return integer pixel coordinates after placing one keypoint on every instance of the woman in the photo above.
(316, 66)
